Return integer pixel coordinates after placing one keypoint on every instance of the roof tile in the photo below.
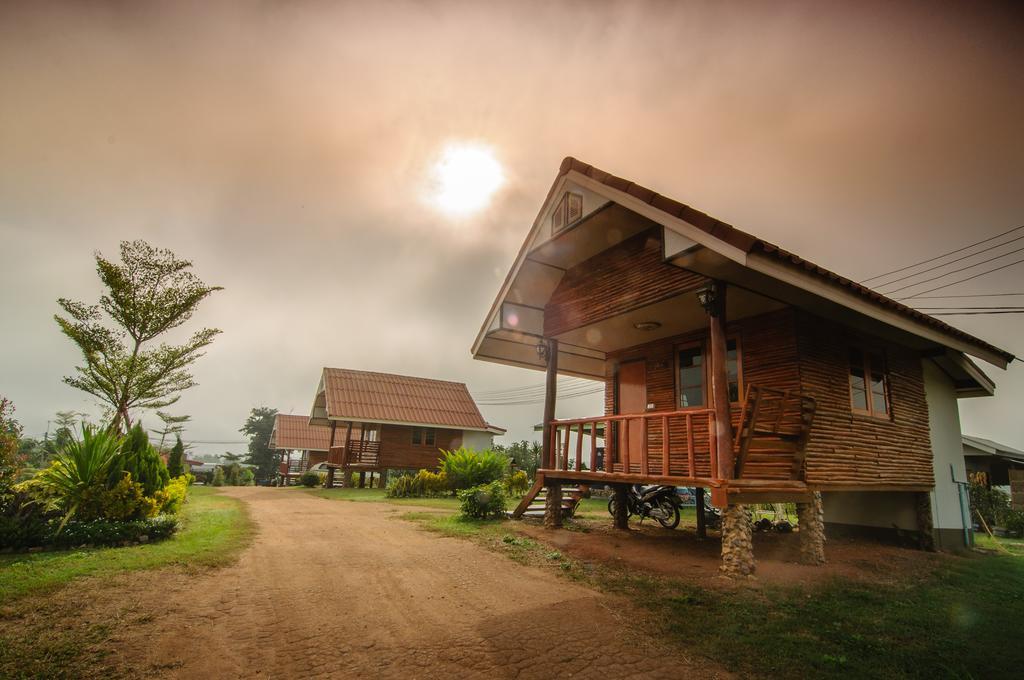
(365, 395)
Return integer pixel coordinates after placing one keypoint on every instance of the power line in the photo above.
(969, 278)
(1009, 311)
(970, 307)
(959, 259)
(955, 271)
(939, 257)
(946, 297)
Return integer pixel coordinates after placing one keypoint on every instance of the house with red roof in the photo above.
(302, 445)
(376, 422)
(733, 365)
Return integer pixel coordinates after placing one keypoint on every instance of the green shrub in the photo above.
(992, 504)
(484, 501)
(517, 483)
(424, 484)
(140, 459)
(1013, 521)
(25, 518)
(218, 477)
(176, 460)
(309, 479)
(232, 474)
(124, 501)
(466, 468)
(246, 477)
(107, 532)
(172, 496)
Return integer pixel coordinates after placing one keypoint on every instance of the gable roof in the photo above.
(366, 396)
(296, 433)
(753, 254)
(991, 448)
(749, 243)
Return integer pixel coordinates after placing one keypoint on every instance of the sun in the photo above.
(464, 178)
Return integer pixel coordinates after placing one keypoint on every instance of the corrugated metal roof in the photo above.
(748, 243)
(295, 432)
(385, 397)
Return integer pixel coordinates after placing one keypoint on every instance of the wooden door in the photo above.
(632, 399)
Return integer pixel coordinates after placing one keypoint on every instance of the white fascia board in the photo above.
(980, 446)
(670, 222)
(765, 265)
(680, 226)
(556, 191)
(986, 383)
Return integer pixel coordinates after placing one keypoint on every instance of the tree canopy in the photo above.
(148, 293)
(257, 428)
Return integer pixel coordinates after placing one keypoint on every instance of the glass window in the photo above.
(691, 377)
(858, 388)
(879, 402)
(868, 383)
(732, 369)
(417, 435)
(429, 437)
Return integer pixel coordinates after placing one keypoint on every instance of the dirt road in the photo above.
(341, 589)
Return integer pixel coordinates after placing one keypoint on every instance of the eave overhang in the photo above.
(698, 242)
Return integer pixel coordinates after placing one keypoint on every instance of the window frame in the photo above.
(417, 436)
(706, 371)
(866, 367)
(429, 436)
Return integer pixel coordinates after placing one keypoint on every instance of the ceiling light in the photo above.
(647, 325)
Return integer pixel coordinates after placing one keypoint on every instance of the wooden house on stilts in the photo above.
(733, 365)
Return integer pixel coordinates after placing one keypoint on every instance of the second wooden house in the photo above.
(381, 421)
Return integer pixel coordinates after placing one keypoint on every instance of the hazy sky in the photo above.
(285, 148)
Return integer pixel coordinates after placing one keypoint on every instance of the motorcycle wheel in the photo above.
(611, 508)
(671, 520)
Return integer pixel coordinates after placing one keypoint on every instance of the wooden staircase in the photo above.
(535, 500)
(772, 435)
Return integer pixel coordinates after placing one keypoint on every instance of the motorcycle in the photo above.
(659, 502)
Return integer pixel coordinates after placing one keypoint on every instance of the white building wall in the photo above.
(880, 509)
(947, 448)
(474, 439)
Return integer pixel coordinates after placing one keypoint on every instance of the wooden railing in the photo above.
(660, 444)
(359, 454)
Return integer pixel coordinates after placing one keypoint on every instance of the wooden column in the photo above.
(720, 383)
(550, 394)
(553, 504)
(329, 479)
(346, 477)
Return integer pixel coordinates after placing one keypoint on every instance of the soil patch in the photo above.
(680, 554)
(333, 589)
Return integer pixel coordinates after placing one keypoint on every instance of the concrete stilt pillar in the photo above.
(737, 542)
(621, 507)
(553, 507)
(811, 520)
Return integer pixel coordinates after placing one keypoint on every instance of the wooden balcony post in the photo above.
(550, 394)
(720, 382)
(553, 504)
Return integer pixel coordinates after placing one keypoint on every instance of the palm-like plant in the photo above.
(466, 468)
(80, 467)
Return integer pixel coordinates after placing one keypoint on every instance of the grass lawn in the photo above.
(377, 496)
(214, 530)
(960, 620)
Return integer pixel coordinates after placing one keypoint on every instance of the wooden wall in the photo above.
(768, 357)
(398, 451)
(620, 279)
(848, 449)
(789, 349)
